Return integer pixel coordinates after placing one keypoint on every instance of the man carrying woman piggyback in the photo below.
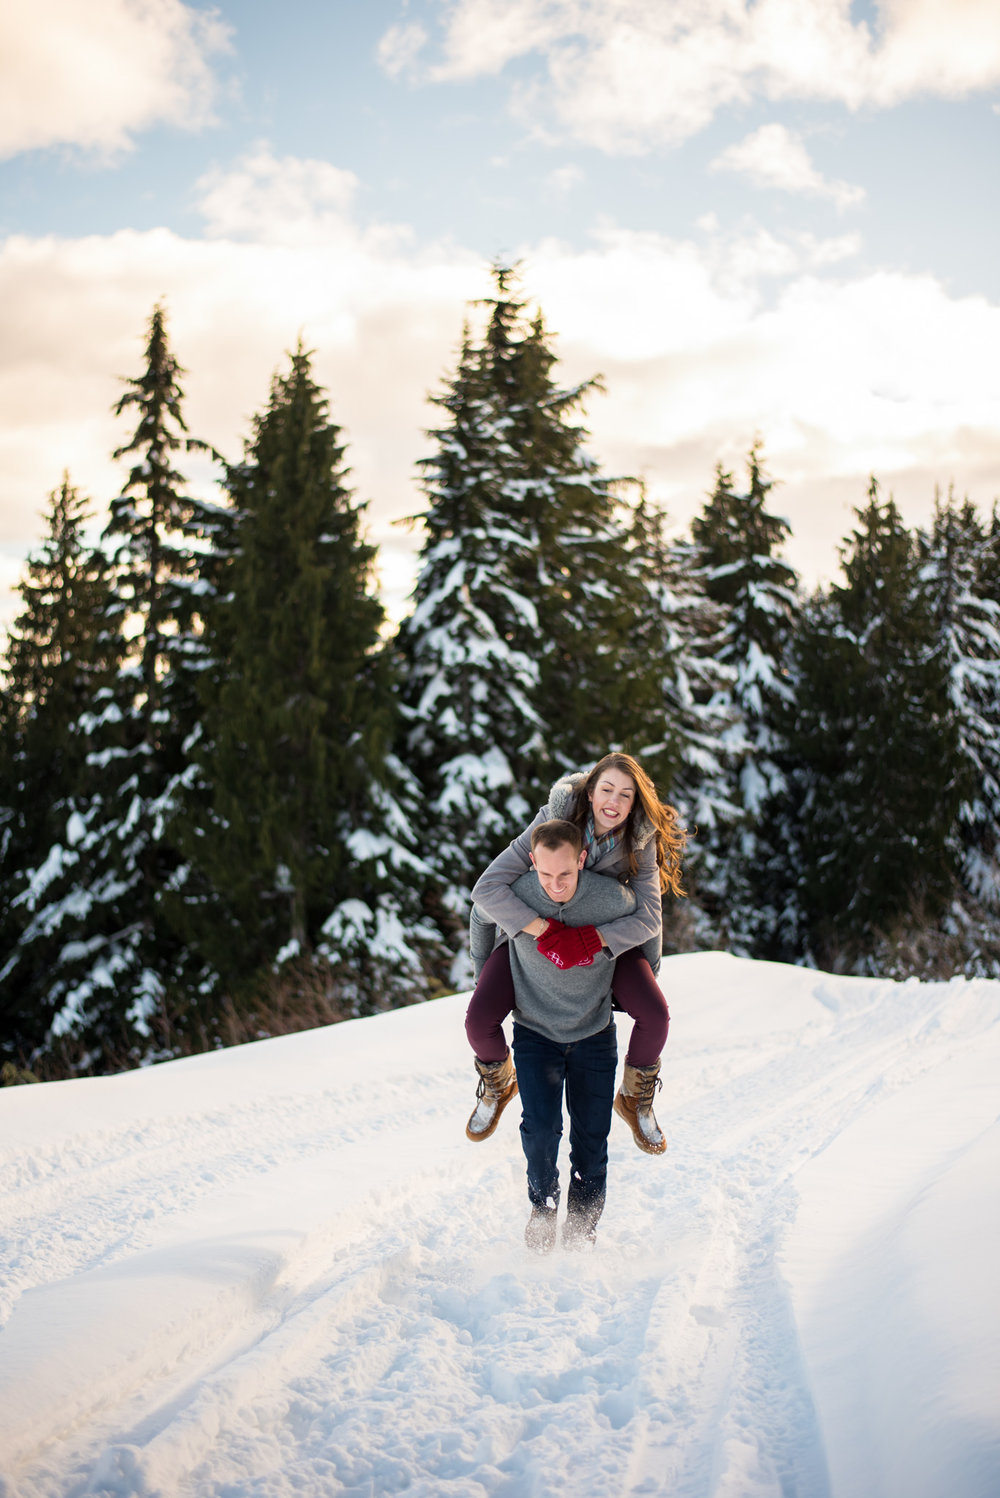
(613, 827)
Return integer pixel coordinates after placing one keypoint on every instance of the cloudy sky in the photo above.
(773, 219)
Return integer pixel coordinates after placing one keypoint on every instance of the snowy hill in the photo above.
(282, 1269)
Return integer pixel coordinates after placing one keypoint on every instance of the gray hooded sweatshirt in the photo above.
(564, 1004)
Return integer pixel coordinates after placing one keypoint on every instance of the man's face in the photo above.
(558, 870)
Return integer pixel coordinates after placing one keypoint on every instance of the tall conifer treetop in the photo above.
(875, 745)
(60, 657)
(738, 543)
(96, 917)
(161, 534)
(299, 848)
(56, 636)
(515, 655)
(956, 562)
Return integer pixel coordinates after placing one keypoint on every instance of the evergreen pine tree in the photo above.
(597, 689)
(988, 570)
(517, 654)
(955, 572)
(738, 541)
(116, 974)
(678, 628)
(163, 536)
(298, 844)
(876, 785)
(473, 735)
(59, 656)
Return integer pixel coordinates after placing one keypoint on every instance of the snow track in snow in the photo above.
(284, 1270)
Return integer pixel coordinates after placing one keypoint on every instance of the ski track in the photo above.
(414, 1346)
(143, 1175)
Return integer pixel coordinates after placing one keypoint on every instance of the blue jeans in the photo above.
(586, 1068)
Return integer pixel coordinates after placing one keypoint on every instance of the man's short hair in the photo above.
(556, 833)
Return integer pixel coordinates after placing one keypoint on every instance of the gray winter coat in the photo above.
(495, 895)
(565, 1004)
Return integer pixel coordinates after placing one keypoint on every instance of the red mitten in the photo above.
(546, 942)
(570, 946)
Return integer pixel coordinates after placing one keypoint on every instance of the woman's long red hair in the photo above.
(671, 837)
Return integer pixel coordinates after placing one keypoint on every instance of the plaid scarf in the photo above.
(597, 846)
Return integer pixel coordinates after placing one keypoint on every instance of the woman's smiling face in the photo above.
(612, 799)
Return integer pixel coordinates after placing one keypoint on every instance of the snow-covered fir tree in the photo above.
(738, 542)
(688, 748)
(473, 736)
(302, 859)
(597, 690)
(59, 655)
(96, 899)
(955, 571)
(875, 790)
(164, 542)
(515, 654)
(988, 573)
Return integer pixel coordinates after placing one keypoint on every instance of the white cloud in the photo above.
(483, 36)
(384, 322)
(627, 75)
(749, 255)
(775, 156)
(400, 46)
(703, 342)
(92, 75)
(277, 200)
(564, 178)
(948, 47)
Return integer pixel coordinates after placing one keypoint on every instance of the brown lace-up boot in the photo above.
(634, 1103)
(497, 1085)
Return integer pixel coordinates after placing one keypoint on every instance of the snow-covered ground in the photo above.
(282, 1269)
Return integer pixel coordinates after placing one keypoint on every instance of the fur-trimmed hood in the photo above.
(561, 797)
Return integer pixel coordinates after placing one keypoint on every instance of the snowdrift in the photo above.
(282, 1269)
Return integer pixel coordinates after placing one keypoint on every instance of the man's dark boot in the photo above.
(583, 1213)
(579, 1232)
(540, 1233)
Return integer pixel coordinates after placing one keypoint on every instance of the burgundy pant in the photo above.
(635, 989)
